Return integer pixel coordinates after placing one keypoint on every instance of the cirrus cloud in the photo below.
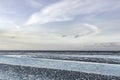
(66, 10)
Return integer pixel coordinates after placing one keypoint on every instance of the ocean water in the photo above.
(32, 65)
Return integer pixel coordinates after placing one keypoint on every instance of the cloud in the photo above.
(70, 31)
(81, 30)
(92, 29)
(66, 10)
(8, 26)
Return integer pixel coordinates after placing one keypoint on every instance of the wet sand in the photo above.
(9, 72)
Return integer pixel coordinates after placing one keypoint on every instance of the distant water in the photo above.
(13, 72)
(112, 57)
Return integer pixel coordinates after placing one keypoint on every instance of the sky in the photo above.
(59, 24)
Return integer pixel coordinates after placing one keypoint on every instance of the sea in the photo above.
(59, 65)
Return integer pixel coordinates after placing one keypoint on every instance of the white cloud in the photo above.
(66, 10)
(92, 29)
(9, 26)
